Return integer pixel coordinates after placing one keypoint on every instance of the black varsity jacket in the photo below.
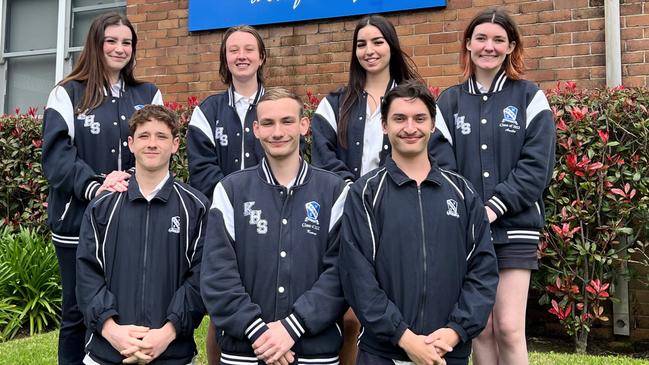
(503, 142)
(271, 254)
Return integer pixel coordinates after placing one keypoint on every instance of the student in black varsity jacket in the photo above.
(270, 275)
(347, 135)
(85, 130)
(503, 135)
(139, 256)
(220, 138)
(416, 259)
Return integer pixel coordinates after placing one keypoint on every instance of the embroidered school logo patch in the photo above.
(175, 225)
(138, 107)
(312, 211)
(451, 206)
(311, 222)
(461, 125)
(89, 122)
(509, 121)
(255, 217)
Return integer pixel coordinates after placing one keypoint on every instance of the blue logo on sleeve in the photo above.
(138, 107)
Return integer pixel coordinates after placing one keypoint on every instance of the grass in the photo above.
(41, 350)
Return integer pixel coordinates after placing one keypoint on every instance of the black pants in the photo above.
(73, 331)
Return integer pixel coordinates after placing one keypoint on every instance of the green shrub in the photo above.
(29, 282)
(23, 188)
(597, 203)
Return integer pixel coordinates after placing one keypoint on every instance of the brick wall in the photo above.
(564, 40)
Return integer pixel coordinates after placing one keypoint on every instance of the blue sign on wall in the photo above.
(218, 14)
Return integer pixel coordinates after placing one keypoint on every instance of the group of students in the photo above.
(412, 232)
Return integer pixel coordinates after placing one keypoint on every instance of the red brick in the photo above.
(443, 59)
(180, 13)
(573, 74)
(572, 49)
(537, 6)
(637, 45)
(443, 38)
(180, 32)
(630, 9)
(405, 30)
(430, 49)
(154, 52)
(152, 34)
(636, 81)
(537, 29)
(633, 57)
(631, 33)
(165, 79)
(573, 4)
(413, 18)
(588, 13)
(169, 24)
(295, 60)
(555, 62)
(152, 71)
(585, 37)
(554, 16)
(554, 39)
(179, 70)
(637, 20)
(541, 75)
(528, 18)
(414, 40)
(597, 48)
(637, 69)
(572, 26)
(166, 42)
(596, 24)
(538, 52)
(293, 40)
(161, 15)
(459, 4)
(306, 29)
(431, 71)
(430, 28)
(330, 68)
(583, 61)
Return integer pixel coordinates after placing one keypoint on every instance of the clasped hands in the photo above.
(138, 344)
(274, 346)
(431, 349)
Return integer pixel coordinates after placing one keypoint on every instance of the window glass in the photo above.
(31, 25)
(29, 81)
(78, 3)
(81, 23)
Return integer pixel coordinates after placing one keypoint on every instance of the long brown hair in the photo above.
(401, 68)
(224, 71)
(91, 67)
(514, 64)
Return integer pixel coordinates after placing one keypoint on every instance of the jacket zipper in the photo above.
(144, 260)
(423, 247)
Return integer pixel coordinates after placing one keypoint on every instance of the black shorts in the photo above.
(516, 256)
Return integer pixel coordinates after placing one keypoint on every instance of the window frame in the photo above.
(63, 50)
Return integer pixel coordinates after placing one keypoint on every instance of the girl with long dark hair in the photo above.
(85, 151)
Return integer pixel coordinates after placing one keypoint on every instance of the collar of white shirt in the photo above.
(155, 190)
